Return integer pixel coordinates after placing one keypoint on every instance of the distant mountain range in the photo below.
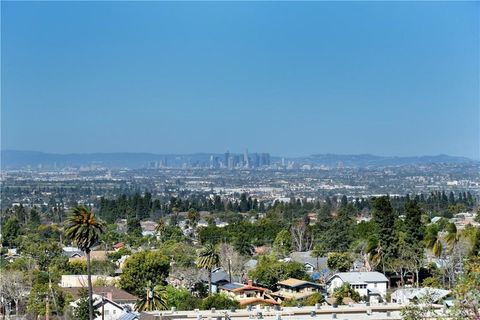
(11, 159)
(368, 160)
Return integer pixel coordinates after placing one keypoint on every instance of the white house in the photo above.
(108, 309)
(372, 285)
(407, 295)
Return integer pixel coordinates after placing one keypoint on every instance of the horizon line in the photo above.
(222, 153)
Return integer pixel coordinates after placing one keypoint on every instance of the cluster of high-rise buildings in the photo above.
(239, 161)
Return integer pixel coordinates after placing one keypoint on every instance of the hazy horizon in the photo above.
(291, 79)
(241, 152)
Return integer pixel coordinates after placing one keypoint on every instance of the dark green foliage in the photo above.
(181, 299)
(41, 291)
(10, 231)
(81, 312)
(133, 227)
(34, 219)
(219, 302)
(345, 291)
(413, 222)
(384, 219)
(269, 271)
(340, 261)
(258, 233)
(144, 267)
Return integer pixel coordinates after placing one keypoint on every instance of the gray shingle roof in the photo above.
(361, 277)
(305, 257)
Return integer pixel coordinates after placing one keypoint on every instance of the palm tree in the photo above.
(160, 228)
(452, 236)
(434, 243)
(375, 252)
(155, 299)
(84, 230)
(208, 259)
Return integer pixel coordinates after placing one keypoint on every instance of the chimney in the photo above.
(250, 283)
(109, 295)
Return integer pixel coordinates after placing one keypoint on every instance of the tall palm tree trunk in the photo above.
(90, 286)
(209, 282)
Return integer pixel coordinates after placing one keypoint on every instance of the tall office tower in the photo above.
(265, 159)
(227, 159)
(231, 163)
(256, 160)
(246, 160)
(212, 164)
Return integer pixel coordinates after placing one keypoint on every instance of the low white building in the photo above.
(372, 285)
(407, 295)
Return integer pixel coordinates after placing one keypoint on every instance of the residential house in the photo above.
(118, 246)
(295, 289)
(148, 228)
(372, 285)
(312, 264)
(95, 255)
(248, 294)
(115, 294)
(219, 278)
(408, 295)
(107, 309)
(74, 253)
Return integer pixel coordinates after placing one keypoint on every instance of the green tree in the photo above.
(384, 218)
(345, 291)
(34, 218)
(433, 241)
(317, 252)
(181, 299)
(340, 261)
(219, 301)
(208, 258)
(81, 311)
(142, 268)
(193, 217)
(154, 298)
(10, 231)
(452, 236)
(269, 271)
(45, 294)
(467, 291)
(282, 245)
(133, 227)
(84, 230)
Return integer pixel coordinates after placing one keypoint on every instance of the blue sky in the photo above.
(288, 78)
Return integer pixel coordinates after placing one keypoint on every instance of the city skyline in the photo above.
(394, 79)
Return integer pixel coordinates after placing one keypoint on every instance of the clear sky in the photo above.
(286, 78)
